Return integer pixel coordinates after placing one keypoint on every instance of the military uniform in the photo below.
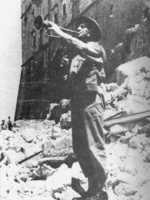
(87, 114)
(87, 103)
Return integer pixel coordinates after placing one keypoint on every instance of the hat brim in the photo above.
(93, 25)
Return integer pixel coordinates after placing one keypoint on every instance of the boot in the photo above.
(95, 190)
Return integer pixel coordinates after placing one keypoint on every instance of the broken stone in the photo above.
(144, 191)
(145, 142)
(109, 112)
(109, 97)
(2, 142)
(134, 143)
(7, 134)
(127, 137)
(21, 177)
(46, 171)
(147, 157)
(121, 158)
(60, 147)
(28, 134)
(12, 156)
(134, 82)
(114, 138)
(133, 104)
(117, 130)
(57, 182)
(64, 105)
(111, 87)
(121, 92)
(65, 120)
(47, 148)
(56, 110)
(135, 129)
(56, 132)
(145, 129)
(31, 148)
(125, 189)
(126, 178)
(131, 68)
(58, 195)
(129, 166)
(55, 113)
(47, 124)
(43, 172)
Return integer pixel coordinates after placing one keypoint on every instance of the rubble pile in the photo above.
(131, 91)
(48, 175)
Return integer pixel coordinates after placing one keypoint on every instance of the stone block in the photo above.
(135, 143)
(65, 120)
(131, 68)
(28, 134)
(125, 189)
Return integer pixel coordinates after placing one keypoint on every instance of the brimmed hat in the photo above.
(93, 24)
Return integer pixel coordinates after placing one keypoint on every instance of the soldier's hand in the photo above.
(53, 26)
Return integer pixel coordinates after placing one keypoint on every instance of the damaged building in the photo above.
(41, 81)
(37, 160)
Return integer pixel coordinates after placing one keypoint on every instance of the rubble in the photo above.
(48, 175)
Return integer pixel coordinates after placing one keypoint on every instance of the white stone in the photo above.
(131, 68)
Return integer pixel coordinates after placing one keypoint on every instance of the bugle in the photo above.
(40, 23)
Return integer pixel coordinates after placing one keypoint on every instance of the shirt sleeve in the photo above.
(94, 51)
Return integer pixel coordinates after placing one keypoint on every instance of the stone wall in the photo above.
(138, 41)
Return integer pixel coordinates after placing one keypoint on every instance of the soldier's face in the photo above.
(83, 30)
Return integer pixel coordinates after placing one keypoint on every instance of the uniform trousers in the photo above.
(87, 132)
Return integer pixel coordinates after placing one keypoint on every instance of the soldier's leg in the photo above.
(95, 141)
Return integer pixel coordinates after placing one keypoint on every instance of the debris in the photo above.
(47, 173)
(35, 154)
(65, 120)
(127, 119)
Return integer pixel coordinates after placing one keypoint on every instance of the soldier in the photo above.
(87, 104)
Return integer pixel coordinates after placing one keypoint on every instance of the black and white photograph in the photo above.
(75, 100)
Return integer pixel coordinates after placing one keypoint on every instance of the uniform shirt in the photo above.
(86, 67)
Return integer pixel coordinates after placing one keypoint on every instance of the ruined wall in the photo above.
(138, 41)
(135, 43)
